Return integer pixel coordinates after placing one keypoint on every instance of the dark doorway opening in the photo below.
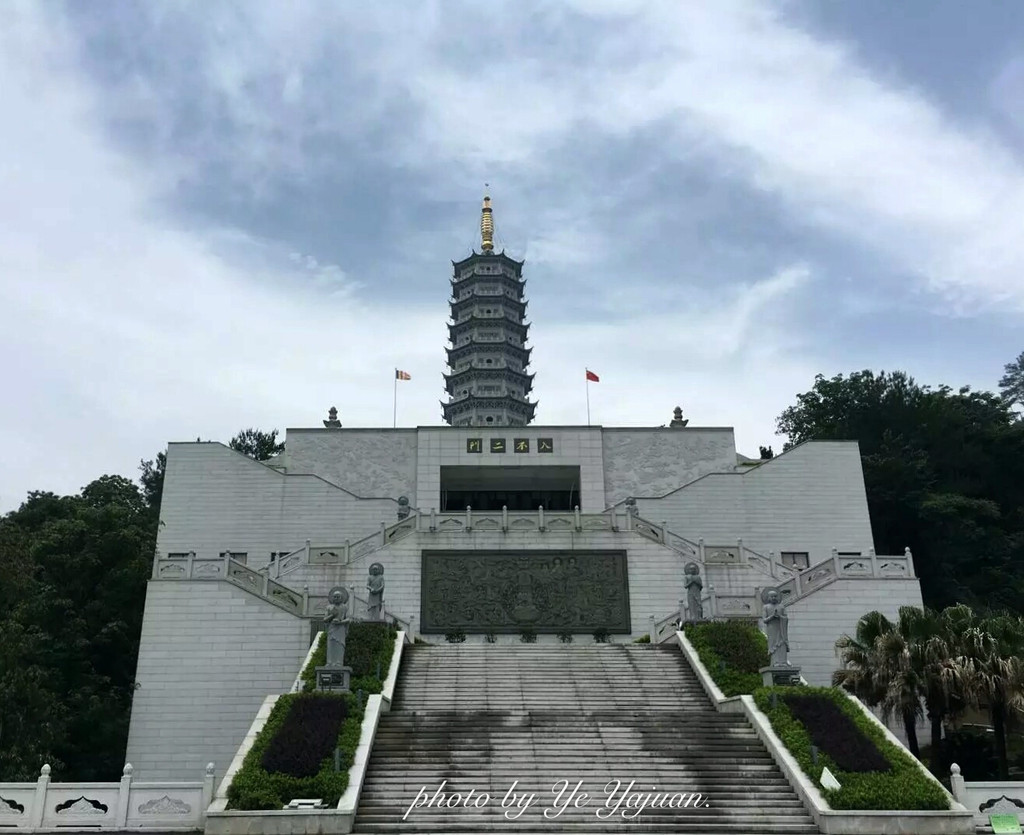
(554, 488)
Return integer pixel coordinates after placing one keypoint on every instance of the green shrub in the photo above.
(528, 636)
(601, 636)
(491, 638)
(368, 650)
(255, 788)
(732, 652)
(456, 636)
(644, 639)
(565, 637)
(904, 786)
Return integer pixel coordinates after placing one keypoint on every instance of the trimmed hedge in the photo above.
(836, 734)
(903, 786)
(254, 787)
(275, 770)
(732, 652)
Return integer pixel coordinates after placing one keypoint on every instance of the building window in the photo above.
(795, 559)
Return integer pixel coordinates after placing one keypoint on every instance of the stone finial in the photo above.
(403, 507)
(954, 769)
(332, 421)
(45, 770)
(677, 418)
(631, 508)
(209, 769)
(127, 771)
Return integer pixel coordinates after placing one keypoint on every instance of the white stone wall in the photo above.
(655, 572)
(210, 653)
(651, 462)
(817, 621)
(372, 463)
(811, 499)
(572, 447)
(216, 499)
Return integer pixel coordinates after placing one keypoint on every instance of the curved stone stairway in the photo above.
(483, 717)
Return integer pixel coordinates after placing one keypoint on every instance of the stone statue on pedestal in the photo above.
(776, 624)
(403, 508)
(677, 418)
(375, 587)
(694, 587)
(337, 620)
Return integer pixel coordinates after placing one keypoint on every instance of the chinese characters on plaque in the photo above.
(519, 445)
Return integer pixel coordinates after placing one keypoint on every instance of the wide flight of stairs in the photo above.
(483, 717)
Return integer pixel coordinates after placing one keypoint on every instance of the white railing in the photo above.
(837, 567)
(987, 797)
(159, 806)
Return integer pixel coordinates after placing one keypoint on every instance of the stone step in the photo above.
(707, 825)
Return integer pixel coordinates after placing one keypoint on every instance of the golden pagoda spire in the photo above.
(487, 226)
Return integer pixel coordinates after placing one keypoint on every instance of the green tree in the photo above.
(941, 469)
(1011, 386)
(257, 444)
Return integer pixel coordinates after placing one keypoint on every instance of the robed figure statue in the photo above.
(776, 624)
(375, 589)
(336, 621)
(694, 587)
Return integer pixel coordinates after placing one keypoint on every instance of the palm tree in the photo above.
(875, 678)
(991, 673)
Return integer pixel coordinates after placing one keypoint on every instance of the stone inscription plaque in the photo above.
(508, 591)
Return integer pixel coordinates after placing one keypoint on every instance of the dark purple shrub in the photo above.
(308, 736)
(835, 734)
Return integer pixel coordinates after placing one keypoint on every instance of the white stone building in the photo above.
(569, 529)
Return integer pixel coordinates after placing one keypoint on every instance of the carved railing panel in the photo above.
(284, 596)
(736, 605)
(855, 567)
(245, 577)
(678, 543)
(721, 554)
(893, 566)
(645, 529)
(400, 530)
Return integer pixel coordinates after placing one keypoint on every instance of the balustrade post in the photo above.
(540, 518)
(740, 552)
(348, 550)
(469, 518)
(615, 518)
(209, 784)
(227, 564)
(874, 562)
(352, 599)
(956, 784)
(189, 561)
(796, 583)
(305, 600)
(156, 566)
(664, 532)
(122, 795)
(576, 518)
(772, 564)
(712, 602)
(910, 562)
(383, 534)
(700, 548)
(504, 518)
(266, 584)
(307, 553)
(835, 561)
(412, 628)
(629, 520)
(433, 520)
(684, 614)
(39, 801)
(652, 629)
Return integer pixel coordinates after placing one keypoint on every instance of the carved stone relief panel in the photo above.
(503, 591)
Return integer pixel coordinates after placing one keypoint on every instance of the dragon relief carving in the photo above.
(165, 806)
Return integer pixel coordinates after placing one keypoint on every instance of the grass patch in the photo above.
(732, 652)
(900, 785)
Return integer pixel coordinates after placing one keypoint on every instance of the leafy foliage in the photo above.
(456, 636)
(528, 636)
(601, 635)
(1011, 386)
(307, 735)
(732, 652)
(942, 473)
(258, 445)
(74, 583)
(904, 785)
(368, 645)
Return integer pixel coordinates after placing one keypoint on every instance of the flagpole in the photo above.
(394, 424)
(588, 398)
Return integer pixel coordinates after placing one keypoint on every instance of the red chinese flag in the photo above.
(592, 377)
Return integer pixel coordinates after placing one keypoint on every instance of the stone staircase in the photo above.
(483, 717)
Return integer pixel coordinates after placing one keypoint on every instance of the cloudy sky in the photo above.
(217, 215)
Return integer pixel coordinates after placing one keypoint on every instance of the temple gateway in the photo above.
(489, 526)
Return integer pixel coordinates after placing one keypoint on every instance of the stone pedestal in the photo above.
(779, 676)
(329, 678)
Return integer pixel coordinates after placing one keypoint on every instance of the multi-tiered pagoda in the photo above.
(488, 381)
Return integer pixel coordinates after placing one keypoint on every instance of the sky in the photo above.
(219, 215)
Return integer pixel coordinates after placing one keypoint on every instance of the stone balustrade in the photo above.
(104, 807)
(987, 797)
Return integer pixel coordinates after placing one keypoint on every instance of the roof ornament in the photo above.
(332, 421)
(677, 418)
(487, 226)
